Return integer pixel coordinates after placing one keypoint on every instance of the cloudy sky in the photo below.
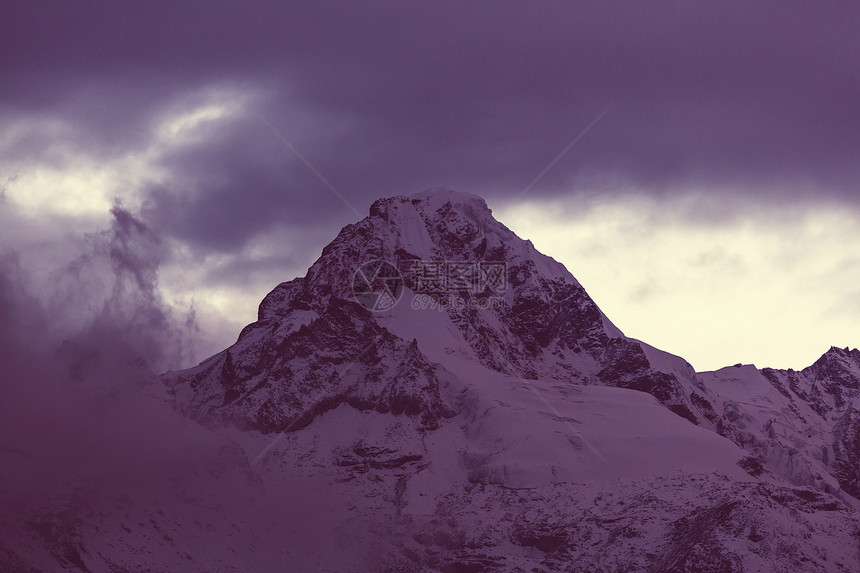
(696, 167)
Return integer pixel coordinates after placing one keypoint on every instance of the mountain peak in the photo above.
(504, 307)
(431, 200)
(845, 361)
(847, 357)
(847, 352)
(439, 196)
(456, 212)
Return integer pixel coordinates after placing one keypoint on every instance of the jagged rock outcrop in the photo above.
(283, 372)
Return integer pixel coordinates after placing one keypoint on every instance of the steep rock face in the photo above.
(846, 450)
(832, 382)
(832, 386)
(549, 327)
(295, 364)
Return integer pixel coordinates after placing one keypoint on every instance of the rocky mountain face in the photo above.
(801, 425)
(313, 346)
(436, 395)
(281, 374)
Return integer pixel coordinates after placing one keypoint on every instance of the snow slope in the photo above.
(802, 426)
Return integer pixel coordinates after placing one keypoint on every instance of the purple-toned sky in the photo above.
(725, 161)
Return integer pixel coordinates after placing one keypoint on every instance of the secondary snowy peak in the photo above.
(801, 425)
(838, 365)
(828, 386)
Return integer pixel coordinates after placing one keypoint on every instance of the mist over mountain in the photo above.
(433, 395)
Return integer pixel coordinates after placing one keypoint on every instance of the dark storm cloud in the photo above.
(394, 97)
(227, 190)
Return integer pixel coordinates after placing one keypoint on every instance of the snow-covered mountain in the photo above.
(310, 348)
(802, 426)
(460, 403)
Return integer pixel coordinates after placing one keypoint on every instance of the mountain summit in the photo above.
(505, 306)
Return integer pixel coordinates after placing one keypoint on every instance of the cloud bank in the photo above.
(195, 117)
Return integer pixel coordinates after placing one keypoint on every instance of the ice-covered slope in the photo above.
(558, 478)
(801, 425)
